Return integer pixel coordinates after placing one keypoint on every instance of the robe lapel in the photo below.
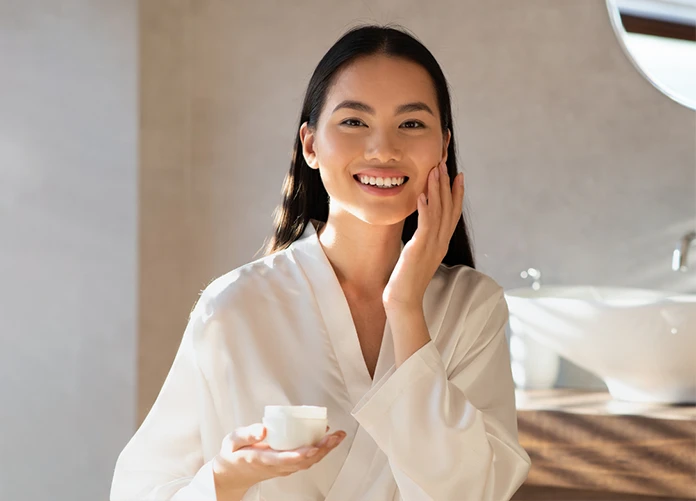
(338, 320)
(362, 458)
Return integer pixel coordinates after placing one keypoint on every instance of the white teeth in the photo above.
(382, 182)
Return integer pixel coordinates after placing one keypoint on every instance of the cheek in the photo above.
(335, 147)
(335, 153)
(425, 154)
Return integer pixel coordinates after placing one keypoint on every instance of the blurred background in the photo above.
(143, 145)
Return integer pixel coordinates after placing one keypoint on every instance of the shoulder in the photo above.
(470, 284)
(471, 294)
(253, 283)
(475, 312)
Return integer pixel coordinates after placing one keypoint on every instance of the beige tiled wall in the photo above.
(574, 164)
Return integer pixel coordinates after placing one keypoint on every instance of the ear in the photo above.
(308, 151)
(445, 145)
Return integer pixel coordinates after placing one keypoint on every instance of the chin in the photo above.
(381, 218)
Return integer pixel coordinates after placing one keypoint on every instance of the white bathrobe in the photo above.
(279, 331)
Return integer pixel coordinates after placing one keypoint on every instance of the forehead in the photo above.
(382, 82)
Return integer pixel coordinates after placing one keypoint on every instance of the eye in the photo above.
(413, 124)
(352, 122)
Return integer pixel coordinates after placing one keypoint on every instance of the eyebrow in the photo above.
(404, 108)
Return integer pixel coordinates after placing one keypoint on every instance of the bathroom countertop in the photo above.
(598, 403)
(586, 440)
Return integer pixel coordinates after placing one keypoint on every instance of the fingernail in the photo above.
(443, 167)
(461, 179)
(437, 174)
(333, 441)
(312, 452)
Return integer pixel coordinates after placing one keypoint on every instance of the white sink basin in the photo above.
(642, 343)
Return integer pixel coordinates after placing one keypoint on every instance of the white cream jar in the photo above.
(292, 426)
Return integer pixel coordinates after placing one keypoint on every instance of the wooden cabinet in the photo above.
(598, 446)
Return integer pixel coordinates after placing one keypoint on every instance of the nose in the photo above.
(383, 147)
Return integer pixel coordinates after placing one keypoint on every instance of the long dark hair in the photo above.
(304, 195)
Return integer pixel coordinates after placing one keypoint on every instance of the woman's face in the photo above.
(380, 120)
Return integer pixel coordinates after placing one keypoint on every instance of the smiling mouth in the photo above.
(386, 183)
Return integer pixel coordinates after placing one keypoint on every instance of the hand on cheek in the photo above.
(438, 214)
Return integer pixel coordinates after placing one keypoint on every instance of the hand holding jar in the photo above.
(248, 456)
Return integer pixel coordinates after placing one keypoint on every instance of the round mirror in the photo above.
(659, 37)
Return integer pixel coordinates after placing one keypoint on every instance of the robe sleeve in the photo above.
(451, 438)
(164, 458)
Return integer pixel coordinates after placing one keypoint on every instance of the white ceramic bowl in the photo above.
(642, 343)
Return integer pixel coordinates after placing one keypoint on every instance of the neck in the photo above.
(362, 255)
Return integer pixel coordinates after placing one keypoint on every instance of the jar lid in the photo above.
(295, 411)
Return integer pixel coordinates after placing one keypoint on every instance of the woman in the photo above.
(367, 303)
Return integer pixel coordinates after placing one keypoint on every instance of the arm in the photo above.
(164, 459)
(451, 437)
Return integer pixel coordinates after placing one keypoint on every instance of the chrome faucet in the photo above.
(680, 258)
(535, 275)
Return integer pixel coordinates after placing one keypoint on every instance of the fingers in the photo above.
(434, 198)
(440, 214)
(260, 462)
(427, 218)
(326, 445)
(422, 212)
(306, 456)
(331, 439)
(445, 203)
(237, 438)
(247, 435)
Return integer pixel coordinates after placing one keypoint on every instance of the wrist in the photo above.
(403, 308)
(229, 492)
(227, 487)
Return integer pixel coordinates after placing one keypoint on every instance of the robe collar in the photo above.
(338, 320)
